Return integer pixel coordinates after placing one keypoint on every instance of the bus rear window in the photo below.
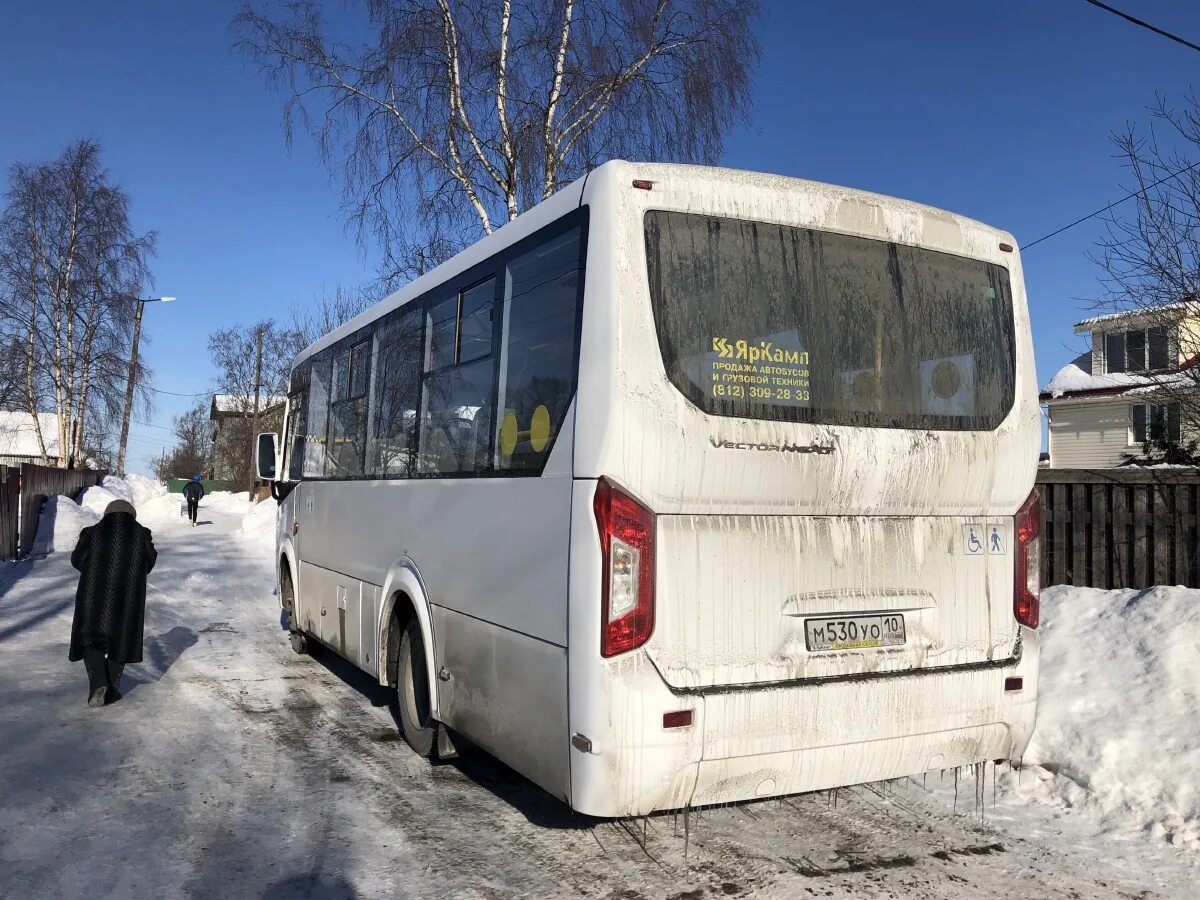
(771, 322)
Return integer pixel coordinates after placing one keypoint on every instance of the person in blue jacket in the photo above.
(192, 492)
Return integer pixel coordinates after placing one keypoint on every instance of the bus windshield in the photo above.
(772, 322)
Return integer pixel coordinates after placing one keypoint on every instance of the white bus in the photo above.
(687, 486)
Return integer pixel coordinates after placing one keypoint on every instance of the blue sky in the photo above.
(1000, 111)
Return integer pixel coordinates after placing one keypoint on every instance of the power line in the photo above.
(1142, 24)
(174, 394)
(1092, 215)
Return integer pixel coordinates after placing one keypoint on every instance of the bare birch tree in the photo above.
(192, 453)
(252, 364)
(71, 266)
(325, 312)
(447, 118)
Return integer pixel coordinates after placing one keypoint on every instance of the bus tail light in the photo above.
(1027, 584)
(627, 588)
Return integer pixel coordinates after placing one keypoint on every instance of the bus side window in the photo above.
(348, 411)
(457, 401)
(542, 288)
(396, 395)
(317, 420)
(295, 436)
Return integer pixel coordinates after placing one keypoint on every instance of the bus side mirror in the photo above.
(265, 456)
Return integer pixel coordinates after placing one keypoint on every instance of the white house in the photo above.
(1105, 404)
(19, 442)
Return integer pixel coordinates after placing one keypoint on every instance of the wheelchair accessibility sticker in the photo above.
(979, 540)
(973, 538)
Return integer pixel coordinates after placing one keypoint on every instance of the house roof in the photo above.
(1072, 381)
(18, 435)
(233, 404)
(1167, 311)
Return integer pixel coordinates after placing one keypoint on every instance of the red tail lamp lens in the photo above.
(627, 588)
(1027, 581)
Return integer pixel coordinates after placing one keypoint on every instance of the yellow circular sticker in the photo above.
(539, 429)
(508, 433)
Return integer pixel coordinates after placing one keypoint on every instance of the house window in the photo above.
(1140, 350)
(1156, 422)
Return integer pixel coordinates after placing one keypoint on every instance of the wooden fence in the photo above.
(41, 482)
(1120, 528)
(10, 512)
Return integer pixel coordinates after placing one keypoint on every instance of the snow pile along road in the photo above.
(59, 525)
(1118, 730)
(62, 518)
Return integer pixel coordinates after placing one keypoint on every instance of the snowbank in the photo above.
(226, 502)
(62, 518)
(261, 518)
(58, 528)
(1118, 729)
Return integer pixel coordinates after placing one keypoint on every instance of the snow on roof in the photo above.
(232, 403)
(1167, 309)
(1071, 379)
(18, 436)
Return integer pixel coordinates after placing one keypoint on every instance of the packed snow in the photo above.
(233, 767)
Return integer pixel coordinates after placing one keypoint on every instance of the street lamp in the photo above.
(137, 336)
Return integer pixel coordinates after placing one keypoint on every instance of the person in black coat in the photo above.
(113, 557)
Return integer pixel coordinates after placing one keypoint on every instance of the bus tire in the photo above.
(417, 726)
(299, 639)
(287, 596)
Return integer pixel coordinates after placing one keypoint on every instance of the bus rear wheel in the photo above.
(412, 691)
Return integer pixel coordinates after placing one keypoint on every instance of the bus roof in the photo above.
(708, 178)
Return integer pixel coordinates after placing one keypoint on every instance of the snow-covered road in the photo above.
(234, 768)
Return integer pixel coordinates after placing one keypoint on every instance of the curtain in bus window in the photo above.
(391, 449)
(317, 419)
(537, 363)
(764, 321)
(456, 420)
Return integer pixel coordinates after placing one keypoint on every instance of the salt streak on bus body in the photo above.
(687, 486)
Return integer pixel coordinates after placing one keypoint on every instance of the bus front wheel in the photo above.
(412, 691)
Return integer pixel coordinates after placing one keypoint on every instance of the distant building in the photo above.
(1104, 405)
(232, 432)
(19, 441)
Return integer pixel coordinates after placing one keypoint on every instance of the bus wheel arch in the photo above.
(408, 671)
(405, 601)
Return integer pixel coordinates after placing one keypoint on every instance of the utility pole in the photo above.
(258, 360)
(137, 336)
(133, 355)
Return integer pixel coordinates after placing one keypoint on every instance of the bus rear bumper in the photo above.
(773, 741)
(817, 768)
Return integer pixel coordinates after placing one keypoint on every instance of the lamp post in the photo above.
(137, 336)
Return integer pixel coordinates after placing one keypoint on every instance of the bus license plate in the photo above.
(854, 632)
